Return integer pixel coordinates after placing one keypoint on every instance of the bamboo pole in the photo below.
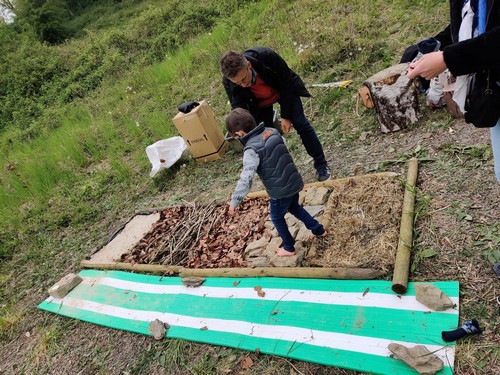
(292, 272)
(328, 183)
(403, 253)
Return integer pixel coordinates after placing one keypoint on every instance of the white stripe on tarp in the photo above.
(295, 335)
(389, 301)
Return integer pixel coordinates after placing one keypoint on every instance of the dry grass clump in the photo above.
(362, 218)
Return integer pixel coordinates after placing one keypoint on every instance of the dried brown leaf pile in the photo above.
(362, 218)
(201, 236)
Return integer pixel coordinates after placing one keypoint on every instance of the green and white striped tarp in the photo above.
(344, 323)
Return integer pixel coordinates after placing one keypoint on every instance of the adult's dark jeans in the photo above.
(304, 130)
(279, 208)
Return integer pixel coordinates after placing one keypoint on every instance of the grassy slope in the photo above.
(73, 185)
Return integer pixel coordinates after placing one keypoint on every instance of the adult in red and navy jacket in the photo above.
(257, 78)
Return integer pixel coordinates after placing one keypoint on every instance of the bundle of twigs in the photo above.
(227, 236)
(177, 231)
(201, 236)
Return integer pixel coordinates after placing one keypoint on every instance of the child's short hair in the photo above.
(240, 119)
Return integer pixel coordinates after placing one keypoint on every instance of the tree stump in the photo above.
(395, 98)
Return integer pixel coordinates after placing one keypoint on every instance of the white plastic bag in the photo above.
(163, 154)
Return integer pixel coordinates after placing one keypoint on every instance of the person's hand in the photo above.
(286, 125)
(428, 66)
(230, 210)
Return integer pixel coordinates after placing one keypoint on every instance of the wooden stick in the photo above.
(333, 183)
(403, 253)
(153, 268)
(293, 272)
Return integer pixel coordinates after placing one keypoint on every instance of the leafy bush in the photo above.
(47, 18)
(45, 75)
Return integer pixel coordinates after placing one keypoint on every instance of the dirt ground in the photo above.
(456, 228)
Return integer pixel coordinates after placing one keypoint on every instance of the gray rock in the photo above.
(294, 229)
(158, 328)
(317, 196)
(273, 245)
(418, 357)
(259, 244)
(193, 281)
(255, 253)
(273, 233)
(315, 211)
(258, 262)
(292, 261)
(432, 297)
(289, 261)
(303, 235)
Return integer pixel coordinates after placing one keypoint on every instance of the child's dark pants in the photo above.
(279, 207)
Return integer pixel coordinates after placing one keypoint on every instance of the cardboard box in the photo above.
(201, 132)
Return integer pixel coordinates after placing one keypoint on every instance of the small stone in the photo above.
(303, 235)
(363, 136)
(254, 253)
(273, 245)
(317, 196)
(294, 229)
(358, 169)
(427, 136)
(258, 262)
(432, 297)
(158, 328)
(193, 281)
(315, 211)
(259, 244)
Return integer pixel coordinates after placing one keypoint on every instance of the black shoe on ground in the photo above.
(324, 174)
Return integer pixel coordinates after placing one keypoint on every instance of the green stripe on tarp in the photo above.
(305, 352)
(358, 322)
(411, 326)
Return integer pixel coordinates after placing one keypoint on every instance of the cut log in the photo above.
(395, 98)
